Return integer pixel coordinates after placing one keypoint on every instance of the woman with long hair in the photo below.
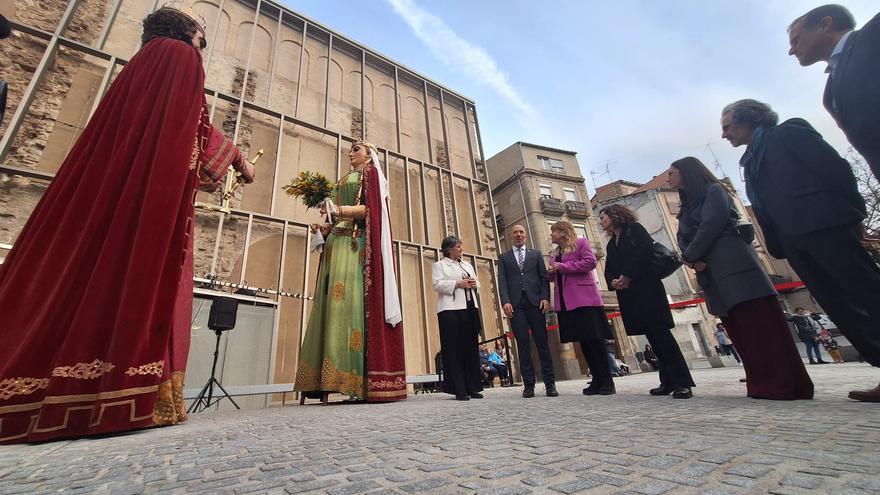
(642, 297)
(356, 273)
(578, 303)
(735, 286)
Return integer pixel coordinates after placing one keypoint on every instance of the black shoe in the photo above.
(602, 390)
(528, 391)
(661, 390)
(812, 362)
(551, 390)
(476, 395)
(682, 393)
(821, 362)
(462, 397)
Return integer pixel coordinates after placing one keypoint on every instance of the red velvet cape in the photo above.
(386, 368)
(88, 292)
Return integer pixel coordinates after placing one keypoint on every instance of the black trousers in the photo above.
(462, 374)
(845, 281)
(526, 316)
(673, 368)
(596, 354)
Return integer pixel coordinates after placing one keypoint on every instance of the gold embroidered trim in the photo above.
(338, 291)
(84, 371)
(330, 379)
(194, 158)
(356, 340)
(341, 231)
(176, 386)
(393, 384)
(154, 368)
(70, 399)
(22, 385)
(170, 408)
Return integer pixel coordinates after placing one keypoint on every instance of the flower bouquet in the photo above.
(313, 188)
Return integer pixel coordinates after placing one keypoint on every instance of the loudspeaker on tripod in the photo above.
(224, 311)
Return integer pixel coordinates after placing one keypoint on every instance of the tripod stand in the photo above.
(203, 400)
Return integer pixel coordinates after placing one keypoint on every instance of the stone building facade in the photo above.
(535, 186)
(282, 83)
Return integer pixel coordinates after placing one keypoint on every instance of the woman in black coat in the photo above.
(642, 297)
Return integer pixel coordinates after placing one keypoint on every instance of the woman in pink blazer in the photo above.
(578, 303)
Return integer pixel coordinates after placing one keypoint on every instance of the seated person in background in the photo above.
(486, 369)
(497, 362)
(650, 357)
(623, 367)
(612, 357)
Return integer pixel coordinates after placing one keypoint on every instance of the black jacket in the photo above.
(802, 184)
(852, 93)
(532, 279)
(805, 328)
(643, 306)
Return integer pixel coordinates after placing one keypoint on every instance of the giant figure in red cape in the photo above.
(96, 294)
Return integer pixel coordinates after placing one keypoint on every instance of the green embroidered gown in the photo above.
(332, 355)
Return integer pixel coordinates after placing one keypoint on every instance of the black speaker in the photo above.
(223, 313)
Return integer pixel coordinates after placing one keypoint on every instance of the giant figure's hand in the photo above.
(244, 167)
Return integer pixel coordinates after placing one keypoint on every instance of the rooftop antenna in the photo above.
(718, 167)
(601, 172)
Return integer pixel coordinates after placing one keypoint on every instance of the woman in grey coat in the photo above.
(735, 286)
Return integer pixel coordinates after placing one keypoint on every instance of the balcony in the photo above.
(552, 206)
(577, 209)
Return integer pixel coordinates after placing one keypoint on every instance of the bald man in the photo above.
(525, 296)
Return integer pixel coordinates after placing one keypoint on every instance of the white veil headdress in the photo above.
(393, 314)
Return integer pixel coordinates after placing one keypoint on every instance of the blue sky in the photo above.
(632, 84)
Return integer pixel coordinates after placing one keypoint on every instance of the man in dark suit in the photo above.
(525, 296)
(807, 203)
(852, 93)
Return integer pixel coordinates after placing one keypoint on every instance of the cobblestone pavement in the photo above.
(719, 442)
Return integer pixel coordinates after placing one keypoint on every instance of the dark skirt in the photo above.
(459, 333)
(584, 324)
(774, 368)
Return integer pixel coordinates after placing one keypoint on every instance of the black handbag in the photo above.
(746, 232)
(664, 261)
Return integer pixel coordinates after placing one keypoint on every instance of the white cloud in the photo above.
(461, 55)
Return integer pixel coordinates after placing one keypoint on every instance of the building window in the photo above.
(570, 195)
(580, 230)
(545, 190)
(552, 164)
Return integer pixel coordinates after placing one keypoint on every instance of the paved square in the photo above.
(719, 442)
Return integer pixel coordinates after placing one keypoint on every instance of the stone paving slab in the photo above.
(719, 442)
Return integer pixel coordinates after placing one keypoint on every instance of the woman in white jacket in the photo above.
(456, 284)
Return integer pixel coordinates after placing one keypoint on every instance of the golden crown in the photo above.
(189, 12)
